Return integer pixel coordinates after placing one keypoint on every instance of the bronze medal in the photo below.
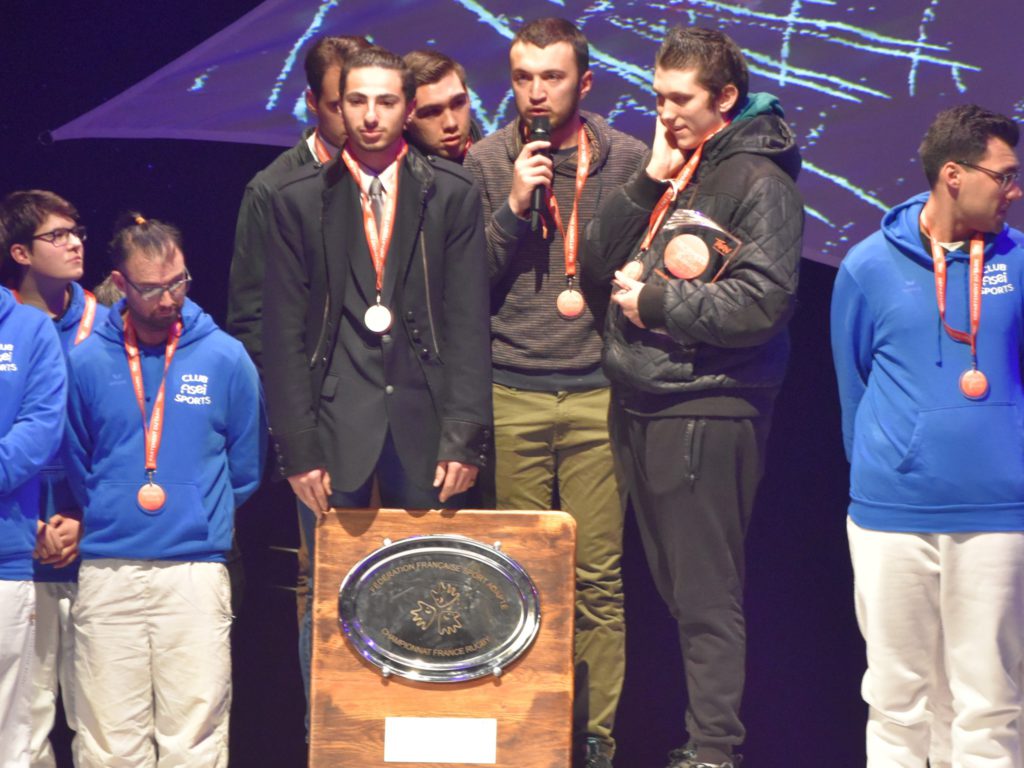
(377, 318)
(570, 303)
(973, 384)
(634, 269)
(686, 256)
(151, 497)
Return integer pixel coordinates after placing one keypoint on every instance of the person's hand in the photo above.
(627, 296)
(666, 158)
(530, 170)
(47, 543)
(313, 489)
(453, 477)
(68, 529)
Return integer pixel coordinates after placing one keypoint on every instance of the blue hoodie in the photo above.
(923, 457)
(54, 490)
(210, 458)
(32, 397)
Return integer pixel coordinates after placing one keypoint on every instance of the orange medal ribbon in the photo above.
(378, 243)
(972, 382)
(151, 496)
(571, 237)
(323, 154)
(676, 186)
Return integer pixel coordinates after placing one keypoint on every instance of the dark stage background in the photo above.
(802, 707)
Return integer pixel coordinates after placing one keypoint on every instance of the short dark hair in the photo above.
(24, 210)
(713, 54)
(962, 133)
(133, 232)
(429, 67)
(330, 51)
(382, 58)
(552, 29)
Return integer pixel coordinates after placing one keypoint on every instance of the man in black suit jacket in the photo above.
(376, 342)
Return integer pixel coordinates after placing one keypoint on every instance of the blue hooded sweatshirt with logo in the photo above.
(925, 458)
(55, 493)
(211, 453)
(32, 399)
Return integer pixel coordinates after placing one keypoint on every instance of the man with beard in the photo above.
(550, 396)
(441, 124)
(165, 441)
(696, 348)
(927, 342)
(376, 307)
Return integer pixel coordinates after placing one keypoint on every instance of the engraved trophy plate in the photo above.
(439, 609)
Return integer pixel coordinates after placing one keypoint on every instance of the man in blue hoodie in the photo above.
(166, 435)
(44, 269)
(32, 398)
(927, 338)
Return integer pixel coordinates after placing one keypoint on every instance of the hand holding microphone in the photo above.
(532, 173)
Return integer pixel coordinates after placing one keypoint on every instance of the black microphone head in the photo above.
(540, 128)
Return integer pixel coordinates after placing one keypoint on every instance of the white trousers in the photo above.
(928, 603)
(53, 668)
(152, 664)
(17, 633)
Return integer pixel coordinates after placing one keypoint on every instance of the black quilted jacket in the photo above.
(712, 348)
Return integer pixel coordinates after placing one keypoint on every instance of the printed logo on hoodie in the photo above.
(996, 280)
(7, 364)
(193, 389)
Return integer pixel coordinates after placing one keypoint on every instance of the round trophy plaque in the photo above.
(439, 609)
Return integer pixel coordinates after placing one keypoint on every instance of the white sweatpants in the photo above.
(53, 667)
(17, 632)
(152, 664)
(924, 600)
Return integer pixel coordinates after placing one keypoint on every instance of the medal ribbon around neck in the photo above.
(571, 237)
(323, 154)
(154, 431)
(977, 260)
(377, 243)
(88, 316)
(675, 188)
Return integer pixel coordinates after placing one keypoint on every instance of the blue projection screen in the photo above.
(859, 81)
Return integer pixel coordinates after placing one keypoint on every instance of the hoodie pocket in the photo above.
(115, 524)
(969, 454)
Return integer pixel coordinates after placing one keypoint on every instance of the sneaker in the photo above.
(686, 757)
(598, 754)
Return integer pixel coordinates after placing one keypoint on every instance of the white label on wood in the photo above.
(441, 740)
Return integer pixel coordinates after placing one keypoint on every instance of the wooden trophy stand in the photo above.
(531, 702)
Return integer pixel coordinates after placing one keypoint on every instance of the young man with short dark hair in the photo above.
(696, 350)
(442, 123)
(376, 308)
(550, 396)
(44, 273)
(32, 402)
(928, 338)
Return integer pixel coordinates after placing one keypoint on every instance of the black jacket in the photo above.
(710, 348)
(245, 286)
(333, 388)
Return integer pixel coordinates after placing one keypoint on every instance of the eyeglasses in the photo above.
(149, 292)
(59, 237)
(1004, 180)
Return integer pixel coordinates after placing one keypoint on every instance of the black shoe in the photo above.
(598, 754)
(686, 757)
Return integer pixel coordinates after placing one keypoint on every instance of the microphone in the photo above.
(540, 130)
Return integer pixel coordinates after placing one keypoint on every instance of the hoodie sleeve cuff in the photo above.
(651, 306)
(645, 191)
(508, 222)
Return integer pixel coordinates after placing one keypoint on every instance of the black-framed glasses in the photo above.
(149, 292)
(59, 237)
(1004, 180)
